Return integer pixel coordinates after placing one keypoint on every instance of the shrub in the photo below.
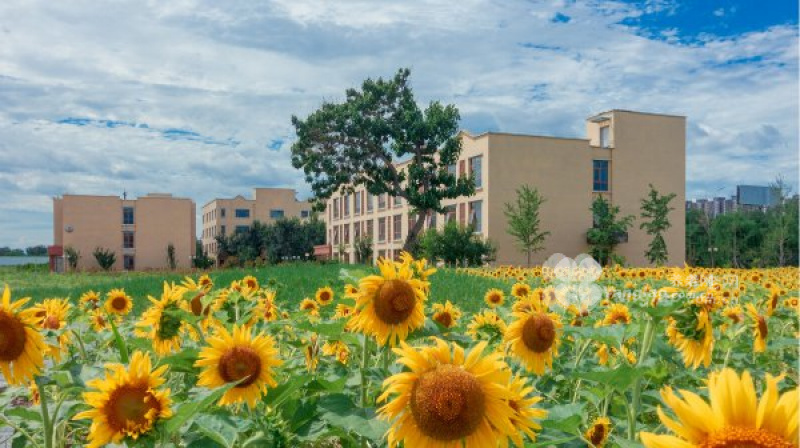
(171, 261)
(457, 246)
(105, 258)
(363, 249)
(73, 255)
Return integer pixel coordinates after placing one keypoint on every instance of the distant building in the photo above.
(221, 217)
(748, 197)
(138, 231)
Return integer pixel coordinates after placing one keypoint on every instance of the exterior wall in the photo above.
(88, 222)
(641, 149)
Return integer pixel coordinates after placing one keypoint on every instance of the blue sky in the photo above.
(194, 97)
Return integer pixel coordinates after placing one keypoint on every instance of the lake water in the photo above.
(14, 261)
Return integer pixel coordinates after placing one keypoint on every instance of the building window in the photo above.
(369, 202)
(242, 212)
(304, 213)
(449, 213)
(127, 240)
(335, 208)
(381, 229)
(369, 230)
(600, 176)
(432, 220)
(397, 227)
(476, 169)
(357, 204)
(451, 169)
(398, 202)
(240, 229)
(222, 230)
(476, 215)
(381, 254)
(346, 234)
(128, 262)
(604, 136)
(222, 212)
(276, 214)
(346, 205)
(382, 201)
(336, 235)
(127, 215)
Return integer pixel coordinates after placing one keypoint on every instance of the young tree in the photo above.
(779, 222)
(105, 257)
(655, 213)
(172, 260)
(343, 145)
(523, 221)
(608, 230)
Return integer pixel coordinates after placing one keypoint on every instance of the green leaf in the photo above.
(276, 397)
(339, 410)
(328, 329)
(182, 361)
(564, 417)
(200, 402)
(620, 378)
(219, 428)
(26, 414)
(610, 335)
(120, 343)
(662, 311)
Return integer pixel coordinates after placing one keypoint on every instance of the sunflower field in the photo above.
(390, 356)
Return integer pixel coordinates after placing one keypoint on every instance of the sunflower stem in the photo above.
(46, 423)
(635, 407)
(20, 430)
(578, 358)
(364, 364)
(80, 345)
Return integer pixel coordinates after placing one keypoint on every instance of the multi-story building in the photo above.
(622, 154)
(222, 217)
(138, 231)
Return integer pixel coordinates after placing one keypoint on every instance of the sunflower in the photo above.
(526, 413)
(90, 299)
(51, 315)
(447, 398)
(343, 311)
(161, 323)
(733, 417)
(391, 304)
(534, 337)
(265, 309)
(617, 314)
(486, 322)
(118, 302)
(98, 320)
(597, 434)
(734, 313)
(602, 354)
(337, 349)
(310, 306)
(520, 290)
(238, 356)
(494, 297)
(696, 343)
(126, 402)
(324, 295)
(350, 291)
(311, 353)
(760, 330)
(36, 396)
(21, 345)
(447, 314)
(250, 283)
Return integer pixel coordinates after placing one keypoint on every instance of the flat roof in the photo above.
(515, 134)
(634, 112)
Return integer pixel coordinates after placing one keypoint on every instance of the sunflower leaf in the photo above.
(199, 402)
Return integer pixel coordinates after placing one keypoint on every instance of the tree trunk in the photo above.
(414, 231)
(529, 258)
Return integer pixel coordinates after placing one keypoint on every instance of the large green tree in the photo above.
(523, 221)
(607, 231)
(655, 215)
(358, 142)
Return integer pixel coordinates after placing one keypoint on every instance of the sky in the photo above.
(195, 97)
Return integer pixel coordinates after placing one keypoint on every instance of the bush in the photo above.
(171, 261)
(73, 255)
(363, 249)
(456, 246)
(105, 258)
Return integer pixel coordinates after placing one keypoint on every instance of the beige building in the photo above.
(138, 231)
(224, 216)
(622, 153)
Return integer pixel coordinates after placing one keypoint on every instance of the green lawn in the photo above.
(292, 281)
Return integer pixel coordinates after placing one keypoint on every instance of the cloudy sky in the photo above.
(195, 98)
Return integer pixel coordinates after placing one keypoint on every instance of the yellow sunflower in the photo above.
(617, 314)
(98, 320)
(733, 417)
(127, 402)
(697, 344)
(238, 356)
(448, 399)
(446, 314)
(338, 350)
(324, 295)
(597, 434)
(117, 302)
(161, 323)
(523, 402)
(250, 283)
(487, 322)
(520, 290)
(494, 297)
(265, 309)
(51, 315)
(310, 306)
(21, 345)
(760, 330)
(534, 338)
(390, 305)
(311, 353)
(90, 299)
(343, 311)
(350, 291)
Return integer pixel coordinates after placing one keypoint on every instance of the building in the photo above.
(747, 198)
(224, 216)
(622, 154)
(138, 231)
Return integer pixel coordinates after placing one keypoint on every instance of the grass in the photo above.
(292, 281)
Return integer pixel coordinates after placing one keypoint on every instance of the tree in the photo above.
(608, 230)
(172, 262)
(363, 249)
(36, 251)
(344, 145)
(523, 221)
(105, 258)
(73, 256)
(779, 222)
(655, 213)
(456, 245)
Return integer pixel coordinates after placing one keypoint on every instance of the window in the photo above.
(357, 204)
(356, 231)
(381, 229)
(369, 202)
(451, 169)
(127, 240)
(398, 202)
(336, 208)
(450, 213)
(242, 212)
(431, 220)
(304, 213)
(128, 262)
(222, 212)
(397, 227)
(600, 176)
(604, 137)
(381, 254)
(382, 201)
(336, 235)
(276, 214)
(240, 229)
(127, 215)
(346, 234)
(475, 215)
(346, 202)
(222, 230)
(369, 230)
(476, 169)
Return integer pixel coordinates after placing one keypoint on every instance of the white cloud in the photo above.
(234, 73)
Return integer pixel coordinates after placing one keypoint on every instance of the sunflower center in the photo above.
(762, 327)
(539, 333)
(51, 323)
(448, 403)
(741, 437)
(131, 407)
(119, 303)
(197, 304)
(444, 318)
(494, 298)
(395, 301)
(324, 296)
(598, 434)
(240, 363)
(618, 318)
(12, 337)
(170, 324)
